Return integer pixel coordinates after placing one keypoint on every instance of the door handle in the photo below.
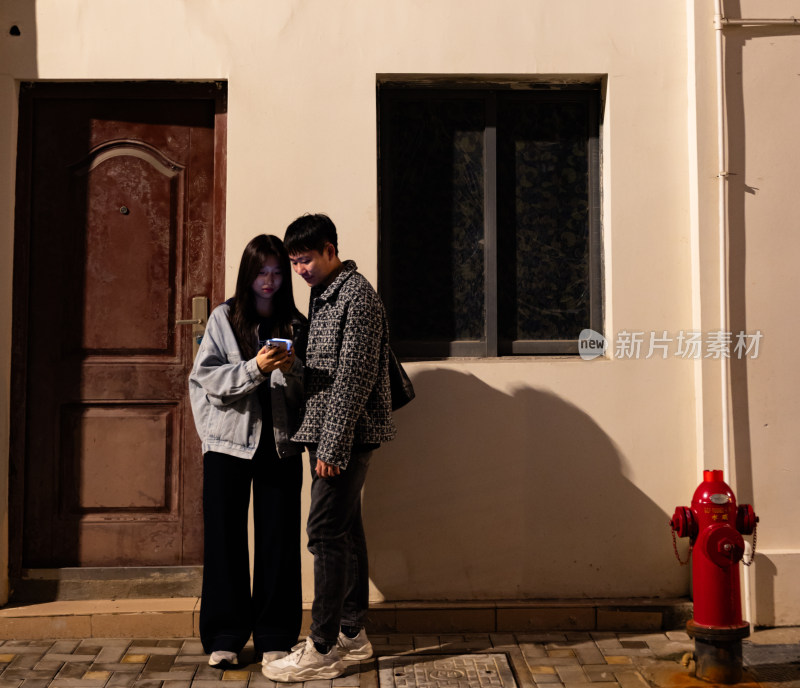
(198, 321)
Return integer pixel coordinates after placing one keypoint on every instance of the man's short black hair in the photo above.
(310, 233)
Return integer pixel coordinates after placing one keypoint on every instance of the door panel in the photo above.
(129, 245)
(97, 434)
(124, 189)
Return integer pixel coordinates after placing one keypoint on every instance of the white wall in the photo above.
(763, 97)
(519, 477)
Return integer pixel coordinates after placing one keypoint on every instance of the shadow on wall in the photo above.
(486, 495)
(765, 575)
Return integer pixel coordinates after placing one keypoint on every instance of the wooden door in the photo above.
(120, 226)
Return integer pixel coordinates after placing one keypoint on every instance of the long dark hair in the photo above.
(243, 315)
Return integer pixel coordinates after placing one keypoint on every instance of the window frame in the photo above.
(589, 93)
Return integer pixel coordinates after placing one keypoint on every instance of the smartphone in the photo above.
(280, 344)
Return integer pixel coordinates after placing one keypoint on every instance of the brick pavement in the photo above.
(550, 660)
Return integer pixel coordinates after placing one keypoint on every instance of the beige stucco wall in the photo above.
(517, 477)
(763, 100)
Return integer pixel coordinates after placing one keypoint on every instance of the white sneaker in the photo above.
(222, 657)
(271, 656)
(354, 648)
(305, 664)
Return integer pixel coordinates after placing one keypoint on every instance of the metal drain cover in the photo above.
(787, 674)
(446, 671)
(773, 663)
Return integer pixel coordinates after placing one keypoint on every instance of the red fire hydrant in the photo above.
(715, 526)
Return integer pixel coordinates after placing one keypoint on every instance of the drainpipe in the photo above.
(723, 275)
(792, 21)
(723, 238)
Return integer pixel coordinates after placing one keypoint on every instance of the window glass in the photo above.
(435, 247)
(489, 220)
(543, 219)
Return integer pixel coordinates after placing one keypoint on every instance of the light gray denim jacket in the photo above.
(222, 391)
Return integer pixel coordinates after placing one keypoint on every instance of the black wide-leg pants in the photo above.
(229, 612)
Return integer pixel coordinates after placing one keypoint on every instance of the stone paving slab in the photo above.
(497, 660)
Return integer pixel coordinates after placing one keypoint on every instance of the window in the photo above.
(489, 218)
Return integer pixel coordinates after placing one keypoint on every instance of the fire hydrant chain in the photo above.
(753, 553)
(678, 556)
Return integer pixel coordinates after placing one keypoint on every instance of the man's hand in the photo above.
(326, 470)
(286, 366)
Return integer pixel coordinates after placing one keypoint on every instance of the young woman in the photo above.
(246, 399)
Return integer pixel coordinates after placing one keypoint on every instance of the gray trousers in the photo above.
(336, 539)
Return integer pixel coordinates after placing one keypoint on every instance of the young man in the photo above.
(347, 415)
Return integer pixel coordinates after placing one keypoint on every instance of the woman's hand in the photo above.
(270, 358)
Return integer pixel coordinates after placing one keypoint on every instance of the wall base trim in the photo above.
(178, 617)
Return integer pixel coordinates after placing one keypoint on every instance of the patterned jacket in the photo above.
(348, 401)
